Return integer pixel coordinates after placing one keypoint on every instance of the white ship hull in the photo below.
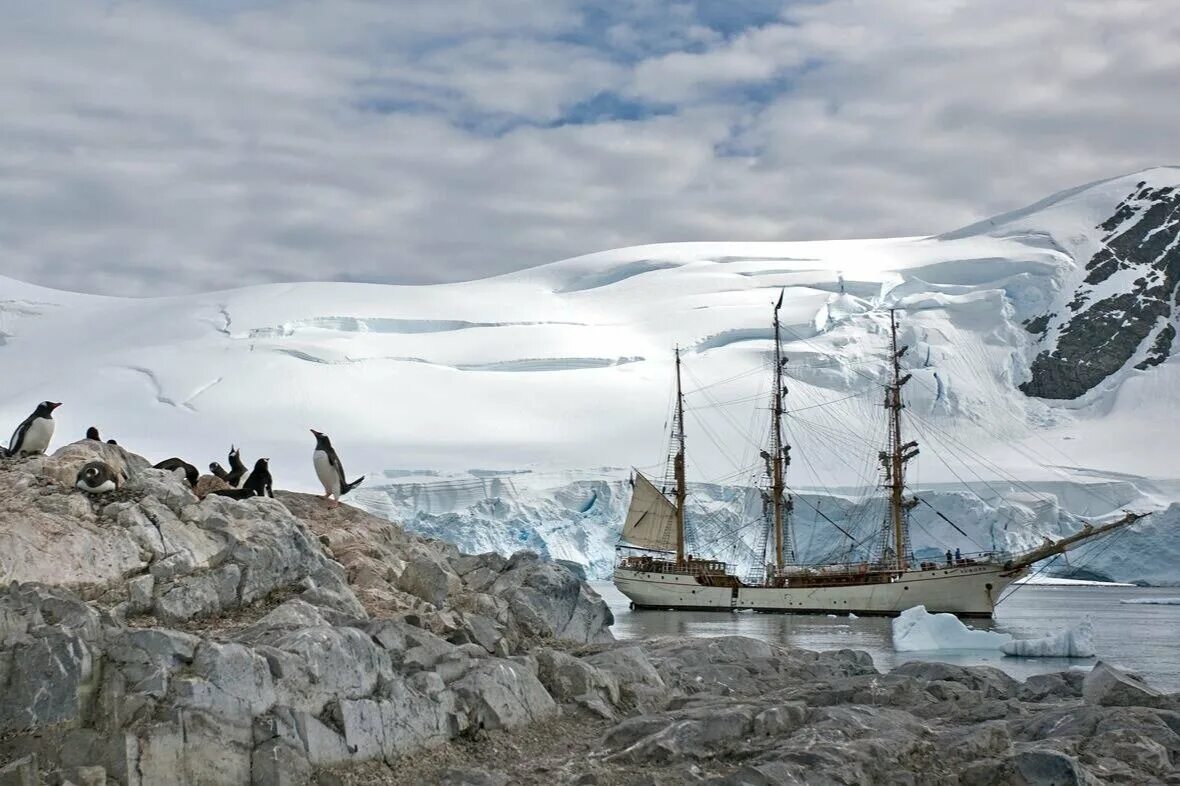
(968, 590)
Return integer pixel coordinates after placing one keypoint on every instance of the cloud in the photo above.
(169, 147)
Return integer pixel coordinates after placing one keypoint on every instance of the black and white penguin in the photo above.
(92, 433)
(237, 470)
(33, 435)
(190, 472)
(259, 480)
(257, 485)
(97, 477)
(329, 469)
(218, 471)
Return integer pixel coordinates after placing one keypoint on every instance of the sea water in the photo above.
(1140, 637)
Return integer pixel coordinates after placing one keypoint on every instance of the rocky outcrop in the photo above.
(156, 638)
(282, 642)
(1126, 305)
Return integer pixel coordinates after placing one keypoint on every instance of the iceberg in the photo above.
(1076, 642)
(917, 630)
(1151, 601)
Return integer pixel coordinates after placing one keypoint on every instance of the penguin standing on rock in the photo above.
(237, 470)
(92, 433)
(257, 485)
(329, 469)
(33, 435)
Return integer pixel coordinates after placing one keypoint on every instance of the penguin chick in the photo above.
(97, 477)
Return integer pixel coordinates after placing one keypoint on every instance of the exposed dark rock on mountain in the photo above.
(1127, 302)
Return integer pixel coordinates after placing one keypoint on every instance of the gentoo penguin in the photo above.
(92, 433)
(33, 435)
(329, 469)
(259, 480)
(237, 470)
(258, 484)
(97, 477)
(190, 472)
(218, 471)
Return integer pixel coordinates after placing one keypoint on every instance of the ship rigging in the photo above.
(655, 570)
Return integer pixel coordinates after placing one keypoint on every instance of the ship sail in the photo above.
(651, 519)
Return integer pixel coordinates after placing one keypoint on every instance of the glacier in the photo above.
(508, 412)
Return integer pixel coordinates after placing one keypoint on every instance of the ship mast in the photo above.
(779, 452)
(678, 466)
(898, 455)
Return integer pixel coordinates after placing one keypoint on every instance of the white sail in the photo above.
(651, 519)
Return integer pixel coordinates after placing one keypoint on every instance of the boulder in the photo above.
(427, 579)
(1110, 686)
(569, 679)
(501, 694)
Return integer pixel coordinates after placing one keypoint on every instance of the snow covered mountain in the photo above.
(505, 412)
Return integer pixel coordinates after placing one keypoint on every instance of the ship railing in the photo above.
(691, 567)
(962, 559)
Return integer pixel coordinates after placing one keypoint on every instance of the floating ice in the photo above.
(916, 630)
(1076, 642)
(1152, 601)
(852, 616)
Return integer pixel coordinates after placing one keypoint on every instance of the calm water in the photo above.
(1144, 639)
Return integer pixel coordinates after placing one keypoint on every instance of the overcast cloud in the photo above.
(164, 147)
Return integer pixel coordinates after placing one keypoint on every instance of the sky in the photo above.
(155, 148)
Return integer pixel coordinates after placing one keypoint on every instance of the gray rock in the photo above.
(428, 580)
(22, 772)
(630, 667)
(569, 679)
(51, 680)
(1049, 768)
(480, 579)
(1110, 686)
(1059, 686)
(275, 763)
(501, 694)
(139, 593)
(94, 775)
(191, 596)
(546, 601)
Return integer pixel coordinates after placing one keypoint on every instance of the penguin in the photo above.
(258, 485)
(112, 442)
(92, 433)
(329, 469)
(33, 435)
(237, 470)
(218, 471)
(97, 477)
(259, 480)
(190, 472)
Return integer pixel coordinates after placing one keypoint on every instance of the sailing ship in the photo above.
(653, 569)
